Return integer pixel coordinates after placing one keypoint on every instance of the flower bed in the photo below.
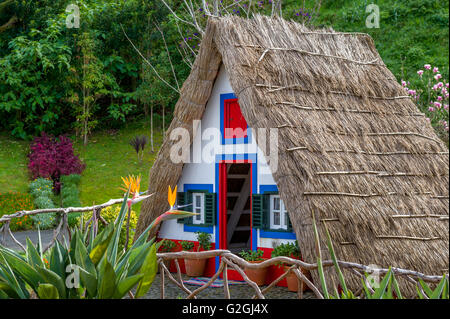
(12, 202)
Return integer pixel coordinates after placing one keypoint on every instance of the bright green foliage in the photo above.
(103, 271)
(70, 195)
(167, 245)
(41, 189)
(30, 73)
(187, 245)
(110, 214)
(89, 82)
(204, 240)
(288, 250)
(440, 292)
(71, 179)
(411, 34)
(252, 255)
(387, 288)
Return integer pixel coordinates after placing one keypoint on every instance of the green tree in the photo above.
(90, 83)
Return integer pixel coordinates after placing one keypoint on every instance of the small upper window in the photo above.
(278, 214)
(198, 206)
(235, 125)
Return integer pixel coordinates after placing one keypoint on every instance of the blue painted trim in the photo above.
(203, 229)
(254, 238)
(276, 234)
(203, 187)
(190, 228)
(225, 141)
(267, 188)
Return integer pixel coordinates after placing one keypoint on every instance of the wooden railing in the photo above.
(6, 232)
(227, 259)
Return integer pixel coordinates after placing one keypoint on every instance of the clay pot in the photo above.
(256, 275)
(195, 267)
(292, 281)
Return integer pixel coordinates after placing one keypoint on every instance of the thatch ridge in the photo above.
(352, 147)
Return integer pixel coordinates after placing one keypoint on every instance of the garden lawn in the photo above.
(108, 157)
(13, 164)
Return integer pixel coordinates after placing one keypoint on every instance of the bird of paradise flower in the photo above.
(172, 213)
(132, 184)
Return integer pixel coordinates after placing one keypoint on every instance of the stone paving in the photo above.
(21, 236)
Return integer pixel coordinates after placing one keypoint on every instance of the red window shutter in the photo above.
(235, 125)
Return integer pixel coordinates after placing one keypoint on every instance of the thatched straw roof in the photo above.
(352, 147)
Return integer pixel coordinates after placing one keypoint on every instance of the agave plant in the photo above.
(87, 267)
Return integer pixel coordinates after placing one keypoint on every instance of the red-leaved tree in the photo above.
(51, 157)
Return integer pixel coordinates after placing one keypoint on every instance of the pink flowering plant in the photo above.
(432, 97)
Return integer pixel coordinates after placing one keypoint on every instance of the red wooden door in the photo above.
(223, 205)
(235, 123)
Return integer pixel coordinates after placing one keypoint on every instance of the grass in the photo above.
(108, 156)
(13, 164)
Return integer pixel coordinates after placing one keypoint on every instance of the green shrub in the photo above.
(41, 189)
(187, 245)
(70, 190)
(73, 179)
(288, 250)
(204, 240)
(41, 186)
(110, 214)
(167, 246)
(70, 195)
(252, 255)
(71, 201)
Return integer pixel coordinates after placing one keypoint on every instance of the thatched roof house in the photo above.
(353, 147)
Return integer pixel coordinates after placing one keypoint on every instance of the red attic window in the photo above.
(235, 125)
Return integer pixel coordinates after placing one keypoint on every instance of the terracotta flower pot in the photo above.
(292, 281)
(195, 267)
(258, 275)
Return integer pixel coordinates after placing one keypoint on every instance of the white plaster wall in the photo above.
(204, 172)
(272, 243)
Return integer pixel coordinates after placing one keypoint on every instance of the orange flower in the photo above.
(132, 183)
(172, 196)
